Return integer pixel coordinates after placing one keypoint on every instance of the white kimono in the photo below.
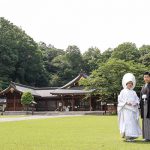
(128, 116)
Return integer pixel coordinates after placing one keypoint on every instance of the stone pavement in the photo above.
(9, 119)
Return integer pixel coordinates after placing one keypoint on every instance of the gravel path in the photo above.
(34, 117)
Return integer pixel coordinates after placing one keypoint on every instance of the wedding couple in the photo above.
(128, 109)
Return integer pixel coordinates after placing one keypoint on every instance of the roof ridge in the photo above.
(19, 84)
(33, 88)
(74, 80)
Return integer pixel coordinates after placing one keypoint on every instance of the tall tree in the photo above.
(144, 49)
(106, 55)
(126, 51)
(63, 70)
(8, 49)
(107, 78)
(66, 66)
(74, 57)
(52, 64)
(20, 58)
(91, 58)
(145, 55)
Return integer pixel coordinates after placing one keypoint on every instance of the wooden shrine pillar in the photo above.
(14, 102)
(90, 102)
(62, 101)
(46, 105)
(72, 102)
(14, 99)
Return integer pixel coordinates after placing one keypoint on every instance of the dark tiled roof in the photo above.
(43, 92)
(70, 89)
(39, 92)
(34, 88)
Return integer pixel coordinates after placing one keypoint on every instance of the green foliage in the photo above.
(8, 49)
(106, 55)
(123, 59)
(145, 49)
(145, 59)
(63, 66)
(74, 58)
(23, 60)
(26, 98)
(126, 51)
(20, 59)
(91, 58)
(145, 55)
(107, 78)
(55, 80)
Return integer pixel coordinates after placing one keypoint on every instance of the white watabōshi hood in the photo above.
(127, 78)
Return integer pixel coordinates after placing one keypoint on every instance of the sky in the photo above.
(86, 23)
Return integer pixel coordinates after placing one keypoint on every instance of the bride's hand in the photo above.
(129, 104)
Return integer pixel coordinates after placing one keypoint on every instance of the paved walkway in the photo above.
(34, 117)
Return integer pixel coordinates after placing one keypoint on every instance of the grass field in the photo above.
(71, 133)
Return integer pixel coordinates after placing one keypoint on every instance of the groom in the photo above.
(145, 107)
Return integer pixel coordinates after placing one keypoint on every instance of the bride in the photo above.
(128, 113)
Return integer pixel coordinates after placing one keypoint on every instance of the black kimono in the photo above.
(145, 111)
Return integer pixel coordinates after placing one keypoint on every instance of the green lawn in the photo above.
(71, 133)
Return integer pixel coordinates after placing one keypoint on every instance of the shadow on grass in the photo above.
(139, 142)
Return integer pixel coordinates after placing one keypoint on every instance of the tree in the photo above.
(126, 51)
(106, 55)
(48, 54)
(91, 59)
(74, 58)
(64, 72)
(26, 99)
(30, 64)
(52, 64)
(66, 66)
(145, 49)
(107, 78)
(8, 49)
(145, 59)
(55, 80)
(145, 55)
(20, 58)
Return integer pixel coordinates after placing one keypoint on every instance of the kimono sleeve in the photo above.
(121, 99)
